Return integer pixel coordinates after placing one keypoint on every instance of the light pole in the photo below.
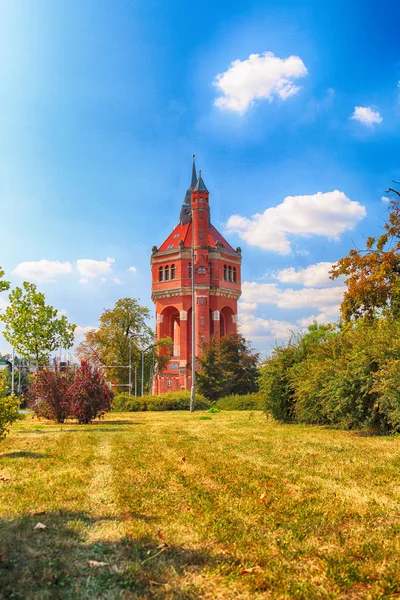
(193, 389)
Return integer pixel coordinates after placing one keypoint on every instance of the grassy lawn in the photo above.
(118, 492)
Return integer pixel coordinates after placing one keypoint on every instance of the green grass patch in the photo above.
(179, 509)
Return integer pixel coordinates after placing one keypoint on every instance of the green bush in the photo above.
(9, 413)
(168, 401)
(237, 402)
(348, 378)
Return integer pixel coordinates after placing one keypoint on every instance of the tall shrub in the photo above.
(48, 394)
(89, 396)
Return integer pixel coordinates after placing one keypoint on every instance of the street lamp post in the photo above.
(193, 389)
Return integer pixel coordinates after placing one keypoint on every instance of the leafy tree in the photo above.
(4, 285)
(211, 379)
(373, 274)
(240, 364)
(89, 396)
(123, 331)
(33, 327)
(228, 366)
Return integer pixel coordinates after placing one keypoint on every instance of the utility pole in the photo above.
(130, 368)
(12, 371)
(193, 389)
(143, 372)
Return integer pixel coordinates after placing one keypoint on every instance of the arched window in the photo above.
(225, 273)
(166, 272)
(172, 271)
(160, 274)
(210, 267)
(234, 274)
(229, 273)
(190, 270)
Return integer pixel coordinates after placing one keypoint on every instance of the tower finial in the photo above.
(194, 176)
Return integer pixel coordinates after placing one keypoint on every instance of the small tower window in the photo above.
(202, 321)
(160, 274)
(201, 214)
(234, 274)
(225, 273)
(201, 234)
(166, 273)
(210, 267)
(229, 274)
(172, 271)
(190, 270)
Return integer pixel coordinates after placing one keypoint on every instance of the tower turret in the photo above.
(216, 272)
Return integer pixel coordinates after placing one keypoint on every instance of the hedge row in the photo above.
(181, 401)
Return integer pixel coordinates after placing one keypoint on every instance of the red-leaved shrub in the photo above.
(89, 397)
(48, 394)
(80, 393)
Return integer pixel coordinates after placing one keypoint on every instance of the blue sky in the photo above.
(102, 105)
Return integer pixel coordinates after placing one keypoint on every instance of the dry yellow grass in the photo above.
(118, 492)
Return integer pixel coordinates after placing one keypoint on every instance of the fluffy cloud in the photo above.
(261, 76)
(115, 280)
(42, 270)
(90, 268)
(132, 269)
(367, 116)
(325, 214)
(247, 307)
(83, 281)
(312, 276)
(324, 299)
(266, 331)
(385, 199)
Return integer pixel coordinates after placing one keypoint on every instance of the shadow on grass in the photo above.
(23, 454)
(54, 562)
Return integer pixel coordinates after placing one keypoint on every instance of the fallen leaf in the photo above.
(162, 546)
(160, 536)
(40, 526)
(183, 459)
(93, 564)
(4, 479)
(187, 508)
(263, 497)
(39, 512)
(250, 570)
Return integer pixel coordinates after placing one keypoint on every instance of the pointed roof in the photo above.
(200, 185)
(194, 175)
(184, 233)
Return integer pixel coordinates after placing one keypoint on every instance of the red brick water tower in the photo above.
(216, 272)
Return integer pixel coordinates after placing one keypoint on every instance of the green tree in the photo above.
(211, 379)
(228, 366)
(124, 331)
(372, 275)
(4, 285)
(33, 327)
(240, 364)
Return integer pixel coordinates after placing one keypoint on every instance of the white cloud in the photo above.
(316, 275)
(325, 214)
(83, 280)
(322, 318)
(247, 307)
(115, 280)
(80, 333)
(385, 199)
(42, 270)
(324, 299)
(261, 76)
(268, 329)
(90, 268)
(132, 269)
(366, 115)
